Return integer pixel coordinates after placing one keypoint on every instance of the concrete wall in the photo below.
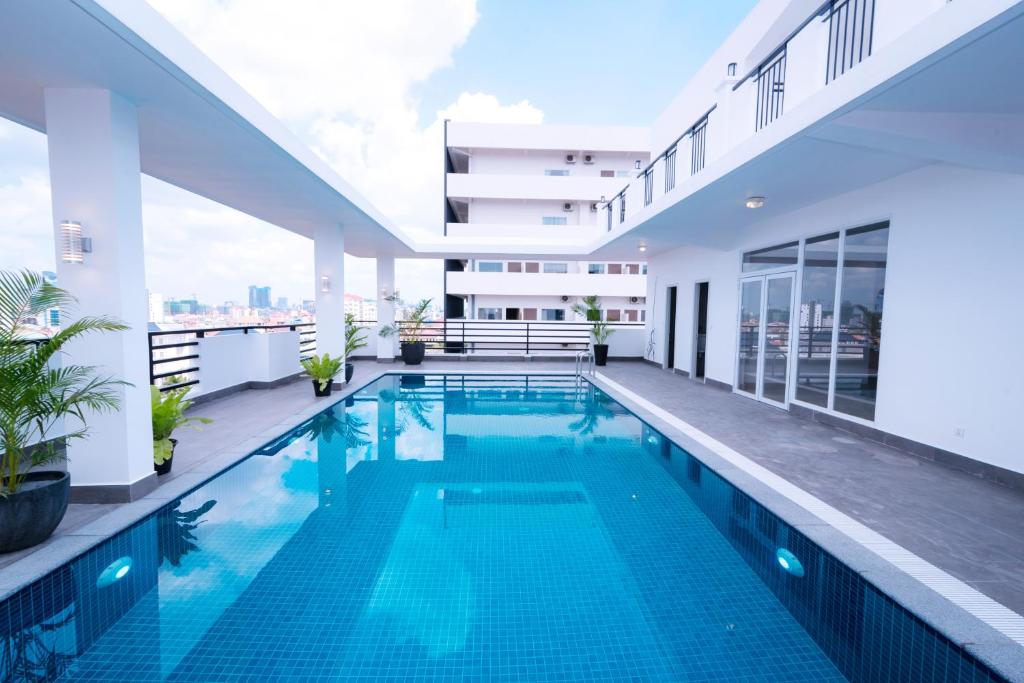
(952, 310)
(560, 138)
(232, 359)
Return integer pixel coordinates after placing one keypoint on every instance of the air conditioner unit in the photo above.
(570, 158)
(593, 207)
(588, 158)
(567, 206)
(634, 299)
(565, 299)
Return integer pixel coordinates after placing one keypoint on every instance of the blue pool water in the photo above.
(467, 528)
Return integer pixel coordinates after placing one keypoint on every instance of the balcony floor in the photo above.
(969, 527)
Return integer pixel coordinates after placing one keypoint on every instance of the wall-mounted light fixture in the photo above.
(638, 164)
(73, 245)
(755, 202)
(325, 283)
(731, 69)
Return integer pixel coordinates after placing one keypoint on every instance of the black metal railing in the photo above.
(504, 336)
(698, 137)
(850, 35)
(771, 89)
(622, 207)
(670, 169)
(179, 359)
(608, 208)
(648, 186)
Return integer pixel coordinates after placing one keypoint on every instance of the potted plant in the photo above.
(33, 399)
(599, 329)
(411, 333)
(355, 339)
(168, 414)
(323, 369)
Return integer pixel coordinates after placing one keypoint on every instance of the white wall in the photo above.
(527, 284)
(511, 213)
(952, 312)
(533, 162)
(231, 359)
(562, 138)
(535, 186)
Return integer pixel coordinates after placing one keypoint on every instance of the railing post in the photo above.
(527, 339)
(463, 321)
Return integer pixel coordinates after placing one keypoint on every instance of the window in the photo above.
(670, 169)
(648, 186)
(608, 208)
(633, 268)
(554, 220)
(513, 267)
(511, 314)
(532, 267)
(623, 174)
(488, 314)
(489, 267)
(643, 315)
(771, 77)
(643, 269)
(615, 269)
(529, 314)
(632, 315)
(556, 171)
(772, 257)
(552, 314)
(556, 267)
(816, 319)
(595, 268)
(613, 315)
(607, 174)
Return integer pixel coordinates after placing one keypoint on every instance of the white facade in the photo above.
(547, 183)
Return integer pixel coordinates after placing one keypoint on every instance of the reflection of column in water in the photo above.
(387, 394)
(331, 461)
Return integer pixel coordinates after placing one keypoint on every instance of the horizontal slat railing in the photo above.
(505, 336)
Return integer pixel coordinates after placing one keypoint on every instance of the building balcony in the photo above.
(547, 284)
(558, 188)
(570, 233)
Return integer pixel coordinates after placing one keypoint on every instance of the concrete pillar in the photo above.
(385, 309)
(329, 260)
(93, 141)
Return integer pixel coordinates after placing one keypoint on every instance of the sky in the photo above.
(367, 85)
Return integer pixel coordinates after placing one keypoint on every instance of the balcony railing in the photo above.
(850, 35)
(505, 337)
(771, 89)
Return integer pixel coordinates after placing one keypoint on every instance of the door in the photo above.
(670, 352)
(700, 331)
(765, 322)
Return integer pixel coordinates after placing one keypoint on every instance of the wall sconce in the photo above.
(731, 69)
(637, 164)
(73, 245)
(325, 283)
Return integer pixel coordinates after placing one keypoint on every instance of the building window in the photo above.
(615, 269)
(595, 268)
(632, 315)
(532, 267)
(771, 77)
(488, 314)
(670, 169)
(556, 267)
(623, 174)
(772, 257)
(816, 319)
(529, 314)
(643, 269)
(552, 314)
(643, 315)
(632, 268)
(607, 174)
(513, 267)
(613, 315)
(554, 220)
(556, 171)
(489, 266)
(698, 137)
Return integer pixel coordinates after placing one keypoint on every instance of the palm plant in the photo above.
(355, 336)
(415, 320)
(169, 414)
(591, 310)
(33, 395)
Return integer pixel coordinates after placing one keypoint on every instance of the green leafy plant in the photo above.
(33, 395)
(169, 414)
(355, 336)
(322, 368)
(415, 319)
(591, 310)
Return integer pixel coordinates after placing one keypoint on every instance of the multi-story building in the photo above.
(259, 297)
(542, 182)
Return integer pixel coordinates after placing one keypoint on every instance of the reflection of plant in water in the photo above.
(327, 426)
(31, 654)
(417, 409)
(595, 409)
(174, 536)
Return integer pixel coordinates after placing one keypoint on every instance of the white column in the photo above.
(385, 309)
(93, 141)
(329, 260)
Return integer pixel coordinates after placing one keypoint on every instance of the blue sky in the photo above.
(393, 71)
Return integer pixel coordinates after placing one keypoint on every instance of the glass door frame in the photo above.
(763, 277)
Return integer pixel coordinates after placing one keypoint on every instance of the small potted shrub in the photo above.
(168, 414)
(411, 333)
(323, 369)
(34, 397)
(355, 339)
(599, 329)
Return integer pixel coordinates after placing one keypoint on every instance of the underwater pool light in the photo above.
(789, 562)
(115, 571)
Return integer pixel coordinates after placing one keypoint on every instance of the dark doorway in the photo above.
(511, 314)
(670, 352)
(701, 331)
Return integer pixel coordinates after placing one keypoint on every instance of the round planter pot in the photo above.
(413, 352)
(29, 516)
(317, 391)
(350, 370)
(601, 354)
(165, 466)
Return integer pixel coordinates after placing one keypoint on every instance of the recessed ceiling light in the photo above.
(755, 202)
(642, 248)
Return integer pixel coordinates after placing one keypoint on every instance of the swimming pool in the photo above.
(466, 527)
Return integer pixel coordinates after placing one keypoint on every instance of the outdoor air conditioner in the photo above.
(634, 299)
(565, 299)
(570, 158)
(593, 207)
(567, 206)
(588, 158)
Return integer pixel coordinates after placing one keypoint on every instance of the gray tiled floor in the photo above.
(971, 528)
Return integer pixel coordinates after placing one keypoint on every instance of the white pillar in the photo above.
(385, 309)
(93, 141)
(329, 260)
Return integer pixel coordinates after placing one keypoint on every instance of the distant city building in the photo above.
(156, 307)
(259, 297)
(309, 305)
(184, 306)
(360, 308)
(806, 316)
(282, 303)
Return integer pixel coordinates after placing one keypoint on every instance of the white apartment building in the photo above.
(546, 182)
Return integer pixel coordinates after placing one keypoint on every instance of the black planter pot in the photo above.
(165, 466)
(317, 391)
(350, 370)
(29, 516)
(601, 354)
(413, 352)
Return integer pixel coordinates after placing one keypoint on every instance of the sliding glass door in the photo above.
(766, 312)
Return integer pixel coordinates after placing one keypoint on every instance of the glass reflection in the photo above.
(817, 319)
(778, 311)
(772, 257)
(750, 335)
